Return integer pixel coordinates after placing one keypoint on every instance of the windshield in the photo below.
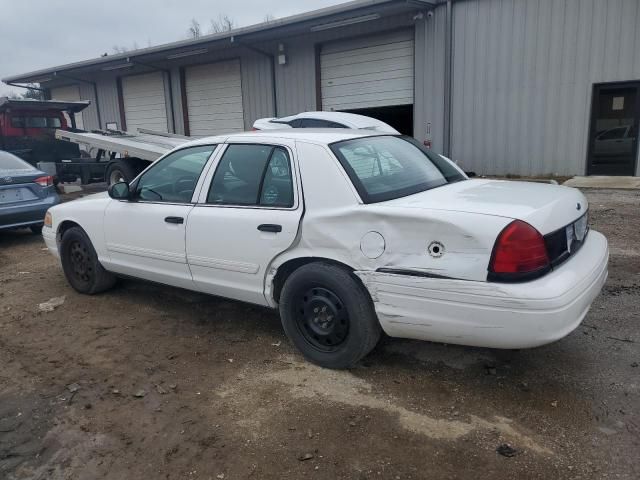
(11, 162)
(387, 167)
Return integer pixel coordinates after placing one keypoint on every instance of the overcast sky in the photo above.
(37, 34)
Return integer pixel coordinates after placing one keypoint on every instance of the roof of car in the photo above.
(353, 118)
(313, 135)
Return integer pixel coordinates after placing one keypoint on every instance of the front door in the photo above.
(145, 236)
(247, 214)
(613, 140)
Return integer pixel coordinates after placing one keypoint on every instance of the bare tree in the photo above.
(268, 18)
(119, 49)
(33, 92)
(194, 30)
(224, 23)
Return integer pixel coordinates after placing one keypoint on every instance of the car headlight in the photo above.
(48, 219)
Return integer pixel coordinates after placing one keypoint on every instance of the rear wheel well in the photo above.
(287, 268)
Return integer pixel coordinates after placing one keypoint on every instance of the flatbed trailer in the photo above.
(115, 155)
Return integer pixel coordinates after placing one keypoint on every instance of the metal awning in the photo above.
(305, 23)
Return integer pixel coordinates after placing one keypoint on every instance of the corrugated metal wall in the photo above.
(523, 73)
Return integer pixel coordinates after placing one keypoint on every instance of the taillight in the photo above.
(44, 181)
(519, 254)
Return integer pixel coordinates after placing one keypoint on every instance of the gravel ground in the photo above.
(154, 382)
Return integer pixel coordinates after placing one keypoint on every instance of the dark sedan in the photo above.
(26, 194)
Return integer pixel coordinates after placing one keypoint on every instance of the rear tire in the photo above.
(80, 263)
(328, 315)
(36, 229)
(120, 171)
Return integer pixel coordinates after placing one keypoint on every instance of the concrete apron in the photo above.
(626, 183)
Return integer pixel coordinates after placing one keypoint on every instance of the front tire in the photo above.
(328, 315)
(80, 264)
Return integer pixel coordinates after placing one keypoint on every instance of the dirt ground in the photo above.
(154, 382)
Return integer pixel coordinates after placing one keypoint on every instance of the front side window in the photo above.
(253, 175)
(173, 179)
(387, 167)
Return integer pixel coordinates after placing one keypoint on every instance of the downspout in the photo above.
(95, 92)
(272, 58)
(448, 77)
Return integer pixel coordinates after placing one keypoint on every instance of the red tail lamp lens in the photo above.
(520, 248)
(44, 181)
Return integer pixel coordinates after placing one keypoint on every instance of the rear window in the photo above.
(387, 167)
(11, 162)
(35, 122)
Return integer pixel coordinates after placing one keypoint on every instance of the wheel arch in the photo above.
(284, 270)
(63, 227)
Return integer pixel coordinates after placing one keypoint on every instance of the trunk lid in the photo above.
(546, 207)
(17, 186)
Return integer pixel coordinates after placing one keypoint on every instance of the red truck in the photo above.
(27, 128)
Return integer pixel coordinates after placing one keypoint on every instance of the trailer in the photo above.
(114, 156)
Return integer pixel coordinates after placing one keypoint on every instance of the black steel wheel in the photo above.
(80, 263)
(328, 315)
(322, 319)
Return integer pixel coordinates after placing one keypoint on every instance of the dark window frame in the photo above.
(257, 205)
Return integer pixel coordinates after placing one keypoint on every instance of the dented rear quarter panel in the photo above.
(336, 220)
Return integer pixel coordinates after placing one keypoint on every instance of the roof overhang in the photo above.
(334, 17)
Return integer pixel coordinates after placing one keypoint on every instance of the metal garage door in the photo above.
(214, 98)
(70, 93)
(144, 102)
(368, 72)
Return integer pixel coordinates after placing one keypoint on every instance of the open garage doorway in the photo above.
(399, 117)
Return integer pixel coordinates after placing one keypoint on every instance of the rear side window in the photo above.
(387, 167)
(316, 123)
(253, 175)
(11, 162)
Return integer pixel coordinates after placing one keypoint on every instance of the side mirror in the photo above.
(119, 191)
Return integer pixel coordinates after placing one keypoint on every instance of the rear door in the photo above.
(248, 212)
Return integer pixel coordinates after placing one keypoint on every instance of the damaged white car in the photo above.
(346, 233)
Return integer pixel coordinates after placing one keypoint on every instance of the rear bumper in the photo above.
(488, 314)
(24, 215)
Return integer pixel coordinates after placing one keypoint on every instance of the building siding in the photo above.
(523, 75)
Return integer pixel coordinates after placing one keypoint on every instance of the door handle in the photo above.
(176, 220)
(270, 227)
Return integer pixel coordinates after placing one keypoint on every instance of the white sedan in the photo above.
(324, 120)
(346, 233)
